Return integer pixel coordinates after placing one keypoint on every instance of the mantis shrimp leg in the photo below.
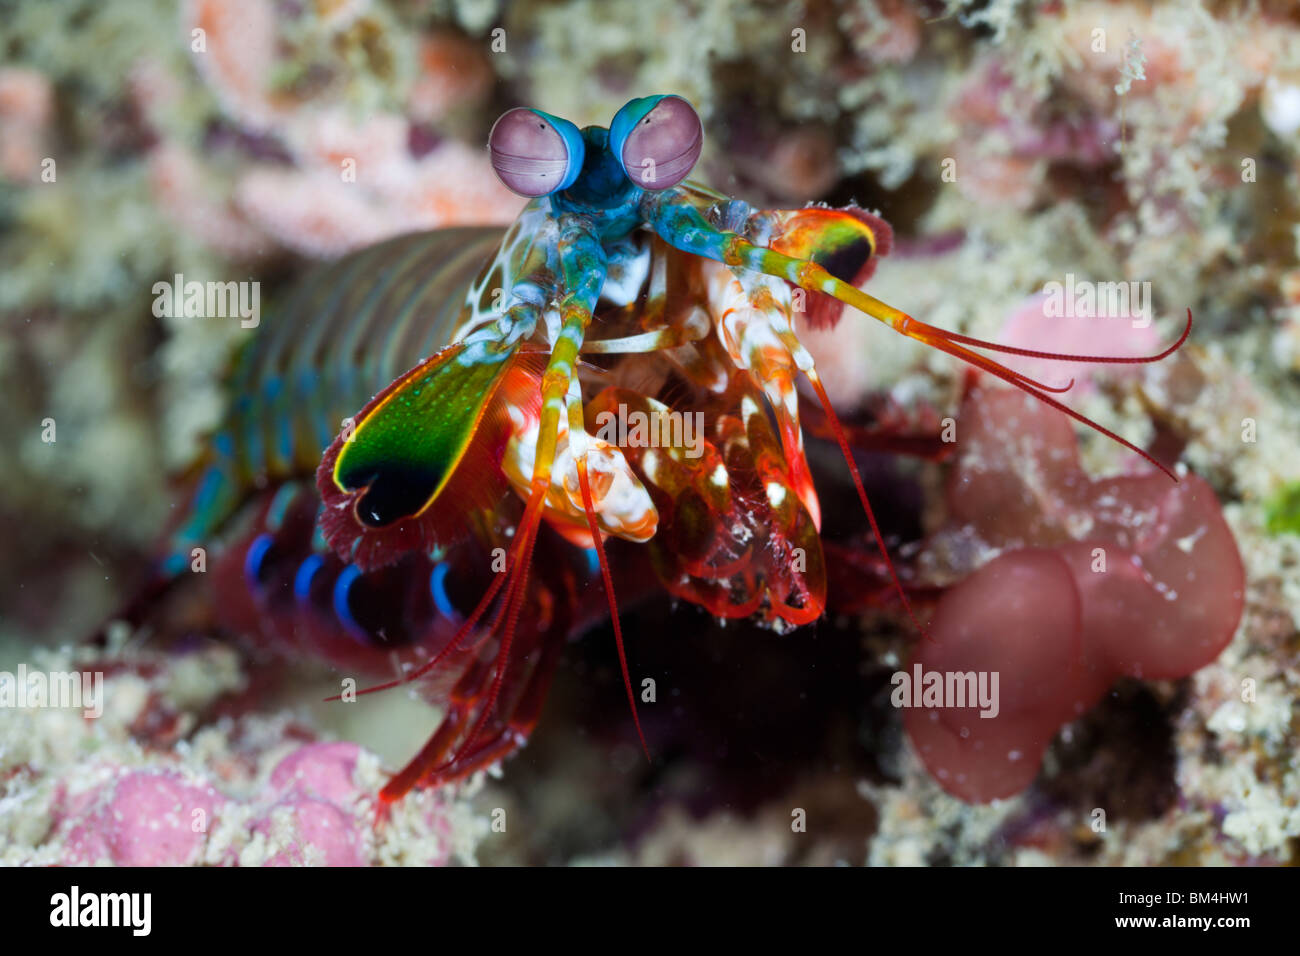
(580, 268)
(681, 225)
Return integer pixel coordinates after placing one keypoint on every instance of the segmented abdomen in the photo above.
(349, 328)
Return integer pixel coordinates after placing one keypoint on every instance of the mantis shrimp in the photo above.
(456, 518)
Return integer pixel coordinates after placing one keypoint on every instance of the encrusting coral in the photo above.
(178, 769)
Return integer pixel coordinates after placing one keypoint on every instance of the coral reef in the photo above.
(1010, 145)
(175, 769)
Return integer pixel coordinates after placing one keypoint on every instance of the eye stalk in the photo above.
(534, 153)
(657, 140)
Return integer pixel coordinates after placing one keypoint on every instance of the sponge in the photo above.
(1097, 579)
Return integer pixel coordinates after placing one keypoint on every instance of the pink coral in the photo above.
(322, 833)
(314, 809)
(454, 74)
(26, 106)
(237, 56)
(1007, 138)
(1031, 326)
(324, 182)
(888, 31)
(320, 770)
(180, 185)
(315, 210)
(142, 818)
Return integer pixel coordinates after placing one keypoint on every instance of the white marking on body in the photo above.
(775, 494)
(626, 278)
(622, 505)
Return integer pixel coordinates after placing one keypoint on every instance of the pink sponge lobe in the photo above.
(1132, 576)
(1171, 594)
(1034, 325)
(320, 770)
(1018, 617)
(144, 818)
(322, 834)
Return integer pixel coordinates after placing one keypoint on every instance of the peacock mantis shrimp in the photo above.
(456, 519)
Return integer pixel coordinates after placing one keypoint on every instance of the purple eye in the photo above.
(658, 147)
(534, 153)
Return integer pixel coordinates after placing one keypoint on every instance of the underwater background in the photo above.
(1019, 150)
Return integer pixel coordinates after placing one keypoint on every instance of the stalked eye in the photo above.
(657, 140)
(534, 153)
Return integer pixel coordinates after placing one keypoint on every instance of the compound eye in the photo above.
(535, 154)
(657, 140)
